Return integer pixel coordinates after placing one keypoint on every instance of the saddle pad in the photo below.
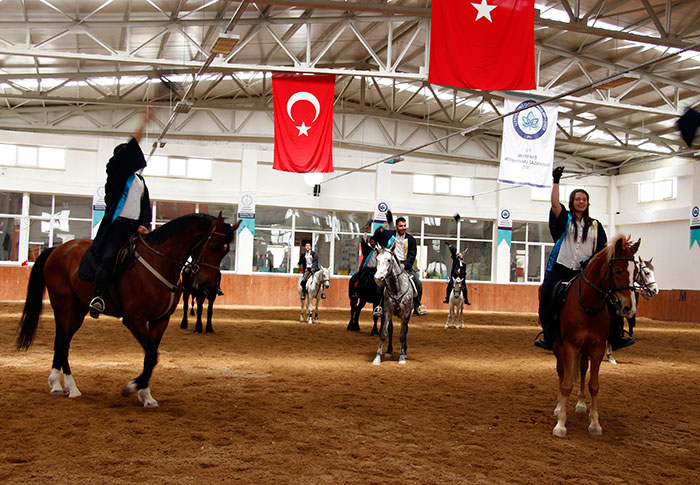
(561, 290)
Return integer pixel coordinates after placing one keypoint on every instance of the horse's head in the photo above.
(325, 277)
(385, 263)
(457, 284)
(208, 253)
(622, 267)
(645, 278)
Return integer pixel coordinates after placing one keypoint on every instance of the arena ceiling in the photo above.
(88, 66)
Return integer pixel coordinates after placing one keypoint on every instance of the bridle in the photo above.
(193, 267)
(609, 295)
(392, 277)
(644, 286)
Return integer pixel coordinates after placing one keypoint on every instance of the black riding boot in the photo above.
(617, 338)
(548, 335)
(464, 291)
(97, 305)
(448, 292)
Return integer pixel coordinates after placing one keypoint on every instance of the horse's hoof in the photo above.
(387, 355)
(581, 408)
(595, 430)
(612, 360)
(57, 392)
(447, 325)
(183, 326)
(402, 360)
(151, 404)
(559, 431)
(74, 393)
(377, 360)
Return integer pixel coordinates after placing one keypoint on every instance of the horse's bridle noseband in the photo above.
(609, 295)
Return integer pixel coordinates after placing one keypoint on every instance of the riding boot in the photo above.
(617, 334)
(547, 340)
(447, 294)
(464, 291)
(97, 304)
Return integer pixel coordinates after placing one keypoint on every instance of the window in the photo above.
(55, 219)
(658, 190)
(194, 168)
(442, 185)
(10, 215)
(25, 156)
(529, 252)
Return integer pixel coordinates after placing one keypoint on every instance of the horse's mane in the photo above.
(606, 254)
(176, 226)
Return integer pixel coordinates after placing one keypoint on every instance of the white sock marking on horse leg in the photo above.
(55, 382)
(71, 388)
(146, 398)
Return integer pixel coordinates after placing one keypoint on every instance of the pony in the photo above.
(645, 285)
(198, 296)
(456, 304)
(144, 291)
(362, 289)
(608, 280)
(320, 279)
(398, 300)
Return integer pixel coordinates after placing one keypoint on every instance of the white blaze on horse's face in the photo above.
(383, 264)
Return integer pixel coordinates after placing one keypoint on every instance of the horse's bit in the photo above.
(608, 296)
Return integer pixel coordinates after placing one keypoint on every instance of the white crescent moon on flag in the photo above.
(303, 96)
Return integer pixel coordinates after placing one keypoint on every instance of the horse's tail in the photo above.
(34, 302)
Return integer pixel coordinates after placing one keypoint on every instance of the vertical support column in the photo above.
(245, 238)
(613, 206)
(23, 249)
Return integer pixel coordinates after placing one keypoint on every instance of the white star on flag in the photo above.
(484, 10)
(303, 129)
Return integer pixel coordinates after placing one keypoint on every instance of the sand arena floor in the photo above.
(267, 399)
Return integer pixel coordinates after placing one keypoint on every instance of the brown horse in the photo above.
(147, 291)
(585, 325)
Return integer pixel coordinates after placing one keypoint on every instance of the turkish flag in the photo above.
(483, 44)
(303, 110)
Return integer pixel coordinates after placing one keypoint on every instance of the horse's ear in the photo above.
(221, 217)
(235, 226)
(619, 243)
(635, 245)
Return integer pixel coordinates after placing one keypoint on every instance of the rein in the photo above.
(607, 295)
(394, 278)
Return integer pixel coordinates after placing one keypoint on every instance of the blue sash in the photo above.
(122, 201)
(557, 247)
(364, 263)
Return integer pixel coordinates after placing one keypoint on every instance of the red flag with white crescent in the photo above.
(303, 110)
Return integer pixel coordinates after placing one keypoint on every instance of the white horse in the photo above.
(645, 284)
(398, 300)
(314, 286)
(456, 304)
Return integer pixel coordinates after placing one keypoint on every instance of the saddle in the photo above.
(561, 290)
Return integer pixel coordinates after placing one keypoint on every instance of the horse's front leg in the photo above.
(565, 362)
(149, 335)
(185, 299)
(302, 315)
(316, 301)
(386, 321)
(356, 305)
(461, 314)
(402, 337)
(593, 387)
(449, 315)
(210, 314)
(200, 309)
(609, 354)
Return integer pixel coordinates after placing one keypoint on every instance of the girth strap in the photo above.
(160, 277)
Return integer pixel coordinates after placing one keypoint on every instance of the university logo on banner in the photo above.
(527, 149)
(505, 227)
(303, 112)
(694, 226)
(483, 44)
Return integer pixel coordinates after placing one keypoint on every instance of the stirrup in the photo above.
(97, 306)
(323, 296)
(542, 342)
(378, 312)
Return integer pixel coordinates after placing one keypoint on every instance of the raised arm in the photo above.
(555, 199)
(138, 134)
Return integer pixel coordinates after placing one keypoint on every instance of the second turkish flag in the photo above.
(488, 45)
(303, 111)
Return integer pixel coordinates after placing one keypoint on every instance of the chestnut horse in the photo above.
(585, 325)
(148, 289)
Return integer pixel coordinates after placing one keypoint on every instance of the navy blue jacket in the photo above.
(459, 268)
(409, 251)
(302, 261)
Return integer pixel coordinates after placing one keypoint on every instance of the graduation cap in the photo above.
(457, 217)
(688, 124)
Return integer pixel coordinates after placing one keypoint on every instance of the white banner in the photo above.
(527, 150)
(246, 206)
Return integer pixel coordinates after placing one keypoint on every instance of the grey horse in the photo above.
(314, 289)
(398, 299)
(456, 304)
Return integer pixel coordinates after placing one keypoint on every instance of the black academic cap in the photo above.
(688, 124)
(457, 217)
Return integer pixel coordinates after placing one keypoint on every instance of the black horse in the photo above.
(198, 295)
(362, 289)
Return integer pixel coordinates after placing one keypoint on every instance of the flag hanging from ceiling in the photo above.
(303, 111)
(527, 148)
(483, 44)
